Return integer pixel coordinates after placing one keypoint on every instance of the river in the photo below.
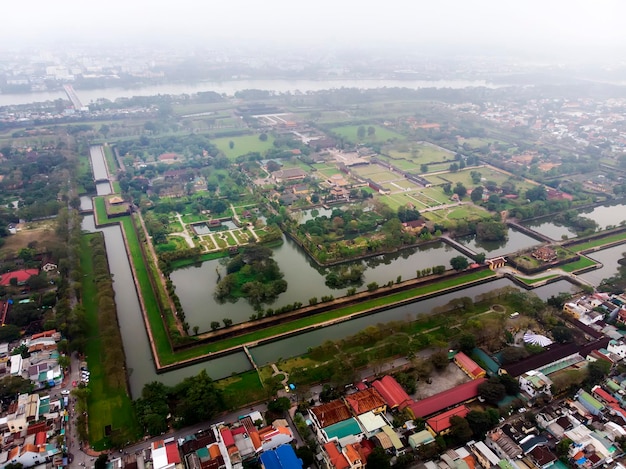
(232, 86)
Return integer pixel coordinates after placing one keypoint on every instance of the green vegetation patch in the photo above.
(381, 134)
(100, 210)
(582, 263)
(107, 405)
(242, 145)
(242, 389)
(594, 243)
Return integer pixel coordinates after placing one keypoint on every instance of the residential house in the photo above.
(367, 400)
(534, 382)
(485, 457)
(283, 457)
(165, 455)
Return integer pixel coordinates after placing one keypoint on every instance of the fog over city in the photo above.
(536, 29)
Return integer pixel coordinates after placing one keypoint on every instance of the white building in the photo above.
(534, 383)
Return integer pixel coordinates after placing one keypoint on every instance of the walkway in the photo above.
(183, 234)
(543, 274)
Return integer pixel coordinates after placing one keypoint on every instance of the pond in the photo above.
(606, 215)
(515, 241)
(201, 228)
(195, 285)
(551, 229)
(302, 216)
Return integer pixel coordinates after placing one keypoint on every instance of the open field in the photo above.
(419, 153)
(476, 142)
(349, 132)
(243, 144)
(488, 173)
(43, 232)
(107, 406)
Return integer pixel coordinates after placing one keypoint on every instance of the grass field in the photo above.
(420, 153)
(242, 389)
(579, 264)
(100, 211)
(599, 242)
(490, 174)
(107, 406)
(243, 144)
(349, 132)
(110, 159)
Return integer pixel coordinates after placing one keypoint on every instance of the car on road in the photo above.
(65, 392)
(74, 383)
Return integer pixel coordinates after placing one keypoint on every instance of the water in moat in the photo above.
(195, 285)
(516, 240)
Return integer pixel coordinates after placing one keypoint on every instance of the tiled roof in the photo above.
(331, 413)
(365, 400)
(443, 400)
(391, 391)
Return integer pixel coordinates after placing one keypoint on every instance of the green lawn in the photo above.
(152, 307)
(579, 264)
(107, 406)
(242, 389)
(110, 159)
(100, 211)
(243, 144)
(418, 154)
(382, 134)
(599, 242)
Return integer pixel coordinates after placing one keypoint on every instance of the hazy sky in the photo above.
(535, 26)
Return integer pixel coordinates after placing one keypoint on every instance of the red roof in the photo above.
(20, 275)
(40, 439)
(391, 391)
(605, 396)
(468, 365)
(227, 437)
(173, 456)
(337, 459)
(441, 422)
(443, 400)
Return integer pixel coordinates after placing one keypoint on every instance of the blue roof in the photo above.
(282, 457)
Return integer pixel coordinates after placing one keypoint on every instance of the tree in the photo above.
(460, 190)
(227, 322)
(459, 263)
(460, 429)
(562, 334)
(371, 131)
(439, 360)
(198, 399)
(215, 325)
(477, 194)
(513, 354)
(467, 343)
(360, 132)
(596, 371)
(263, 137)
(480, 258)
(231, 144)
(492, 390)
(480, 423)
(279, 405)
(101, 462)
(379, 459)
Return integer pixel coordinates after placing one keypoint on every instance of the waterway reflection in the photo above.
(515, 241)
(195, 285)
